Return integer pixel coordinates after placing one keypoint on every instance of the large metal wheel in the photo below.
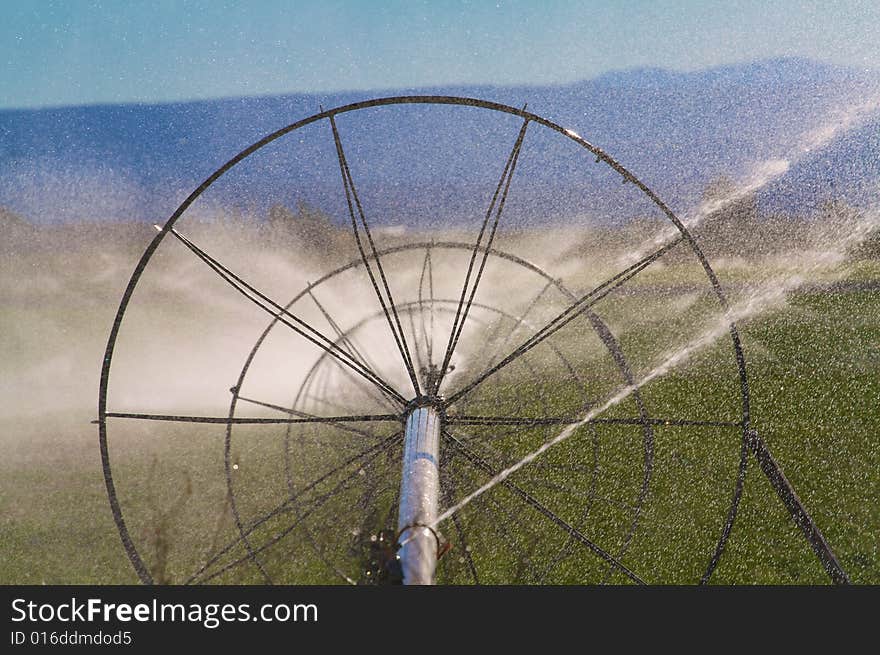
(504, 374)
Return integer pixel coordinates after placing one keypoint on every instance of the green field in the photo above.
(815, 389)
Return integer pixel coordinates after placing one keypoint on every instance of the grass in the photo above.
(815, 389)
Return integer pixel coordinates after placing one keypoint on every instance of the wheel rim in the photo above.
(529, 118)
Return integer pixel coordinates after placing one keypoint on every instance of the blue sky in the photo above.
(78, 52)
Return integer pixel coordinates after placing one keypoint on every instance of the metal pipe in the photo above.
(419, 492)
(797, 510)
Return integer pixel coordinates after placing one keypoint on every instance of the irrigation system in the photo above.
(412, 427)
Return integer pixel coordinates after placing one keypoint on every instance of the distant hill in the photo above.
(14, 226)
(16, 235)
(677, 131)
(848, 167)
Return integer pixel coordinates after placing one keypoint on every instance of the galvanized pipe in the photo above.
(419, 492)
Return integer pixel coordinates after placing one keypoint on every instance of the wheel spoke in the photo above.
(485, 445)
(353, 201)
(225, 420)
(497, 435)
(394, 507)
(519, 321)
(298, 414)
(320, 400)
(376, 394)
(528, 421)
(427, 272)
(569, 314)
(343, 338)
(530, 500)
(492, 514)
(468, 557)
(369, 455)
(412, 326)
(589, 496)
(379, 396)
(316, 505)
(447, 485)
(361, 508)
(522, 528)
(284, 316)
(499, 198)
